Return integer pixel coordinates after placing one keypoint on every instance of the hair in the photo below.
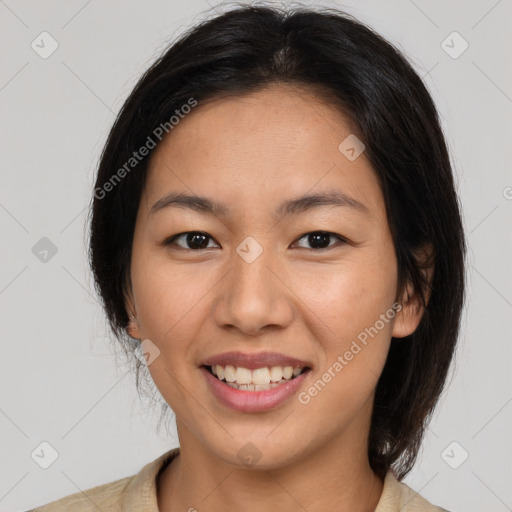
(346, 63)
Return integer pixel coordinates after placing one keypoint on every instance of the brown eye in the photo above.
(193, 240)
(320, 239)
(198, 240)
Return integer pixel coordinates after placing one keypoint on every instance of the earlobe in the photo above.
(132, 328)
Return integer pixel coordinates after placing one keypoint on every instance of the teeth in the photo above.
(243, 375)
(255, 380)
(253, 387)
(276, 373)
(261, 376)
(246, 387)
(230, 373)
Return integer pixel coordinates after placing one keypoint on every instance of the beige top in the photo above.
(137, 493)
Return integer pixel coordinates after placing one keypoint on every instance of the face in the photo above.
(313, 283)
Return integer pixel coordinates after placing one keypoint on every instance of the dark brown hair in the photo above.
(246, 49)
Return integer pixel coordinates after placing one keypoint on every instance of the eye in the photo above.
(320, 239)
(198, 240)
(194, 240)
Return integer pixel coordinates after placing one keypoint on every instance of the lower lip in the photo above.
(253, 401)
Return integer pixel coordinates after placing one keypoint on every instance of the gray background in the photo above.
(58, 378)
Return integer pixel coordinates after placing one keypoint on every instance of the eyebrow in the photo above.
(289, 207)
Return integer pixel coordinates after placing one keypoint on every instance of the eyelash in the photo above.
(170, 241)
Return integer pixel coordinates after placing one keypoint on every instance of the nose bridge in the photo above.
(251, 264)
(253, 297)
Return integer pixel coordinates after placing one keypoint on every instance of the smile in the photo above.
(259, 379)
(248, 397)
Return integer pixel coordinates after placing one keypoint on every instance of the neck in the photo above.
(334, 476)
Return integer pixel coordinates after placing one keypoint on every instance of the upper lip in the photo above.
(254, 360)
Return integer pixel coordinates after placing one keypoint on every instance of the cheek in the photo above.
(171, 309)
(350, 296)
(351, 299)
(169, 298)
(365, 323)
(357, 308)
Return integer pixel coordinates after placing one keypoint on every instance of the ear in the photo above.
(409, 317)
(132, 329)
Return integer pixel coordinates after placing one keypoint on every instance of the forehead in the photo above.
(282, 141)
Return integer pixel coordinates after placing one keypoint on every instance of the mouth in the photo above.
(257, 379)
(254, 381)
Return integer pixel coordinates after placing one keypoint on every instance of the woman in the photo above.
(276, 228)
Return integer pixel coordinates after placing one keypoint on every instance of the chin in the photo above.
(259, 453)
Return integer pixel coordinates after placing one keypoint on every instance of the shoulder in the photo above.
(137, 491)
(398, 496)
(106, 497)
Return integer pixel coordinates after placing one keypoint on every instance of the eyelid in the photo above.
(330, 233)
(170, 240)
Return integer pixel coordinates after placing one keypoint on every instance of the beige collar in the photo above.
(140, 494)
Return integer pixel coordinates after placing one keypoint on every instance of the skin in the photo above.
(251, 152)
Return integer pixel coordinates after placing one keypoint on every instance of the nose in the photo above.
(254, 296)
